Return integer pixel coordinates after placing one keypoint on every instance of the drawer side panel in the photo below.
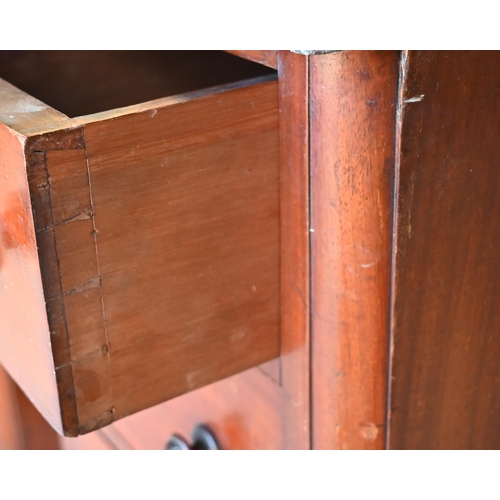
(186, 207)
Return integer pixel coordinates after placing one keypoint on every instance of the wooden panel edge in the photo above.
(55, 160)
(163, 102)
(27, 115)
(353, 96)
(25, 338)
(295, 272)
(266, 57)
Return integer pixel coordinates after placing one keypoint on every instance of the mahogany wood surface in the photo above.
(266, 57)
(163, 247)
(253, 410)
(446, 342)
(293, 74)
(244, 412)
(361, 245)
(353, 110)
(186, 213)
(182, 242)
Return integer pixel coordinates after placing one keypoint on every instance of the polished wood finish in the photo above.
(295, 273)
(446, 347)
(353, 110)
(157, 229)
(386, 260)
(244, 411)
(253, 410)
(186, 213)
(265, 57)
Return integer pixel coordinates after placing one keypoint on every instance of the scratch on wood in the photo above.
(89, 285)
(299, 291)
(101, 351)
(313, 52)
(84, 287)
(417, 98)
(83, 215)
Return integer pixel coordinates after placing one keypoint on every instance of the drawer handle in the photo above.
(202, 439)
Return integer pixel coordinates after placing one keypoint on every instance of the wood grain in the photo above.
(353, 111)
(251, 410)
(163, 247)
(266, 57)
(446, 374)
(61, 202)
(248, 410)
(186, 207)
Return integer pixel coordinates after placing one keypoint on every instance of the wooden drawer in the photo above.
(139, 249)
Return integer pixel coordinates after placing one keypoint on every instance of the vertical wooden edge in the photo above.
(294, 202)
(36, 150)
(266, 57)
(403, 75)
(25, 345)
(353, 116)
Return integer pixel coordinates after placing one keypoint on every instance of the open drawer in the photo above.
(139, 232)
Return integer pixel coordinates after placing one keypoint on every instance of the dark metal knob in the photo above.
(202, 438)
(176, 442)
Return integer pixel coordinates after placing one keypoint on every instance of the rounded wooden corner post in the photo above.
(352, 128)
